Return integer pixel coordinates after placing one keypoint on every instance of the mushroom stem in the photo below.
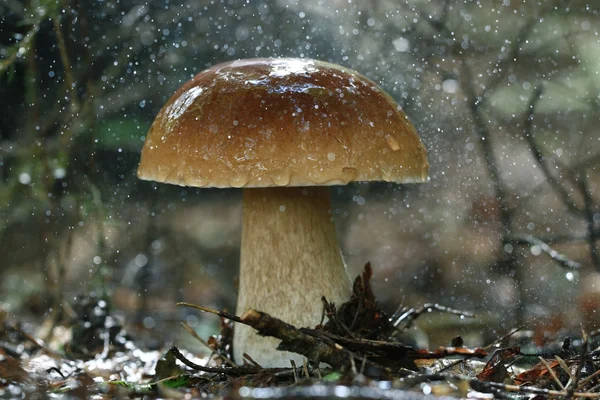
(290, 258)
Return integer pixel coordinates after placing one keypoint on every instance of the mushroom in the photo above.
(284, 129)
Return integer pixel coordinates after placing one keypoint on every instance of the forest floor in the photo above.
(93, 356)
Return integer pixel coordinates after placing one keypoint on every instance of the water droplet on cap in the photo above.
(282, 179)
(238, 181)
(349, 174)
(392, 142)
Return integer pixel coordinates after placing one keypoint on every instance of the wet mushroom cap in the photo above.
(281, 122)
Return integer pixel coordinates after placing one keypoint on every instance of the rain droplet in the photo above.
(570, 276)
(349, 174)
(392, 142)
(282, 179)
(238, 181)
(536, 250)
(24, 178)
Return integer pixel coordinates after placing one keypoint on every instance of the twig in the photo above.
(588, 379)
(58, 371)
(553, 239)
(552, 373)
(38, 344)
(251, 360)
(582, 355)
(561, 259)
(488, 151)
(64, 58)
(296, 379)
(501, 339)
(305, 368)
(565, 367)
(486, 348)
(451, 365)
(192, 332)
(512, 57)
(20, 49)
(393, 349)
(329, 310)
(412, 314)
(537, 154)
(301, 341)
(363, 365)
(292, 339)
(510, 259)
(220, 313)
(234, 371)
(529, 389)
(353, 366)
(359, 309)
(428, 56)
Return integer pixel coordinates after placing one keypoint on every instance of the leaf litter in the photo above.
(353, 353)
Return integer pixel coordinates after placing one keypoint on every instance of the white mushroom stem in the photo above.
(290, 258)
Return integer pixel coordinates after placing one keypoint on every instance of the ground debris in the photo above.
(495, 370)
(361, 316)
(354, 354)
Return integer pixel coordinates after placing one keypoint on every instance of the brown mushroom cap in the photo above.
(281, 122)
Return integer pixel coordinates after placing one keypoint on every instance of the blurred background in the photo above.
(504, 93)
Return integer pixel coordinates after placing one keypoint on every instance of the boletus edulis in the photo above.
(283, 129)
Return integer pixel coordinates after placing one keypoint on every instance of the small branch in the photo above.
(329, 310)
(503, 338)
(248, 358)
(237, 371)
(38, 344)
(565, 367)
(511, 261)
(64, 58)
(537, 154)
(292, 339)
(486, 349)
(220, 313)
(412, 314)
(20, 49)
(296, 340)
(587, 380)
(397, 351)
(582, 356)
(555, 239)
(512, 57)
(477, 385)
(193, 333)
(234, 371)
(561, 259)
(487, 148)
(552, 373)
